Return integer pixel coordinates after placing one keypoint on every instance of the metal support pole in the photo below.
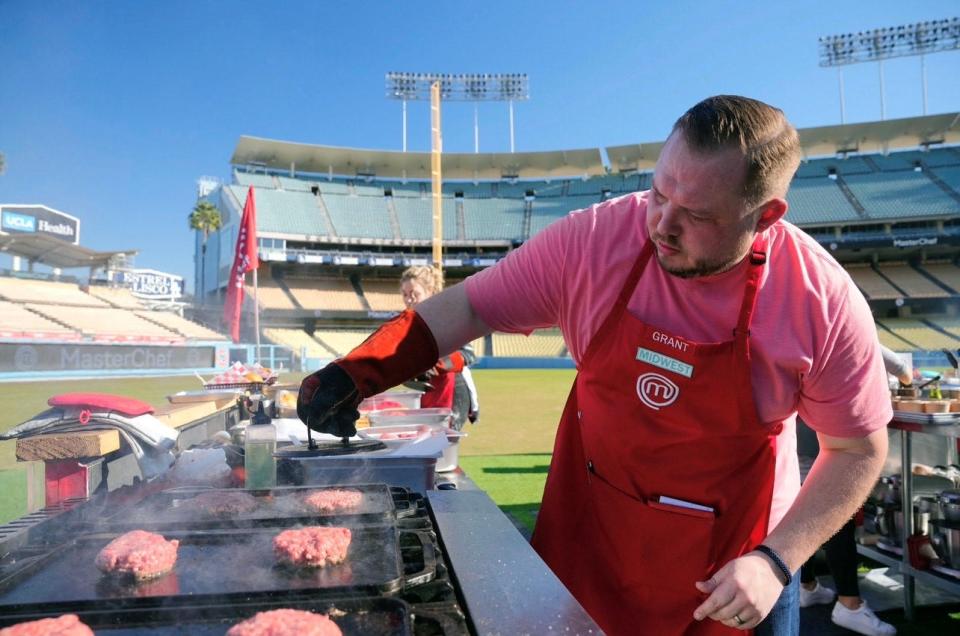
(843, 110)
(923, 79)
(404, 125)
(256, 316)
(906, 488)
(883, 104)
(511, 125)
(437, 177)
(476, 130)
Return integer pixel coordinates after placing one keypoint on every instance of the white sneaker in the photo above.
(819, 595)
(861, 620)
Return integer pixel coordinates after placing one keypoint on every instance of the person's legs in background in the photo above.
(850, 611)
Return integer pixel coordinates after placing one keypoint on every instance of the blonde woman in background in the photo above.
(453, 387)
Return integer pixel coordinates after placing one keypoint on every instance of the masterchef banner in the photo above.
(39, 219)
(149, 283)
(83, 357)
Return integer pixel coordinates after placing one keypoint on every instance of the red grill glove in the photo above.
(452, 363)
(399, 350)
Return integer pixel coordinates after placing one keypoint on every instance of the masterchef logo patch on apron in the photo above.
(656, 391)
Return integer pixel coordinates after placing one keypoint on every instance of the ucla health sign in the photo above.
(39, 219)
(149, 283)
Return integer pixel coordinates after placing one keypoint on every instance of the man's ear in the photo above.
(773, 211)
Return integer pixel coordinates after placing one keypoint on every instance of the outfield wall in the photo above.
(40, 360)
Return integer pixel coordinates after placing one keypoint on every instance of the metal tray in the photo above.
(354, 616)
(212, 566)
(172, 510)
(187, 397)
(927, 418)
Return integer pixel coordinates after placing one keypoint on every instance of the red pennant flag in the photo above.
(245, 260)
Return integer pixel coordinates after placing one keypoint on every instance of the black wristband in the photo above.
(777, 561)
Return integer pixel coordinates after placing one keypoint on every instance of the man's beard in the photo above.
(700, 268)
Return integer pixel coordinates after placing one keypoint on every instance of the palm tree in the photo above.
(205, 218)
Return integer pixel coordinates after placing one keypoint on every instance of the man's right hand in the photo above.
(328, 401)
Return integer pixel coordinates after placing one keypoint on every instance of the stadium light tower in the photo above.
(878, 45)
(462, 87)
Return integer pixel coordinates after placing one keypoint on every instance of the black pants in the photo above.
(841, 550)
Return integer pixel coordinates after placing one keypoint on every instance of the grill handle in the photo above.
(429, 571)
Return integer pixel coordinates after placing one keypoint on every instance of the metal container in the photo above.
(889, 490)
(950, 506)
(945, 539)
(305, 469)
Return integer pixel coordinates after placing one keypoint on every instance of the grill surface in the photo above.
(395, 580)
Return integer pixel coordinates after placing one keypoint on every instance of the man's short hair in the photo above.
(768, 141)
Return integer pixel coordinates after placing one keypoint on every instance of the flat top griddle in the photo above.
(212, 565)
(174, 509)
(373, 616)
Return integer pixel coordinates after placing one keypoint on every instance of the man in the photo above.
(701, 323)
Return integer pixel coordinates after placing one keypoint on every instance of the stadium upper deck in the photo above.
(882, 180)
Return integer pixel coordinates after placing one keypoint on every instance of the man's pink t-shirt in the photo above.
(813, 340)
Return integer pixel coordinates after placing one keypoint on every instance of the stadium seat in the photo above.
(298, 341)
(359, 216)
(872, 284)
(911, 281)
(813, 201)
(342, 341)
(546, 211)
(39, 291)
(945, 272)
(383, 295)
(271, 295)
(318, 294)
(178, 324)
(898, 195)
(116, 296)
(546, 343)
(920, 334)
(16, 321)
(107, 323)
(256, 180)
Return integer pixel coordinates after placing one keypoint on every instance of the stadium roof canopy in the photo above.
(869, 137)
(297, 158)
(41, 248)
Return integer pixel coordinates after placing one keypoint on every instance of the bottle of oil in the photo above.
(258, 450)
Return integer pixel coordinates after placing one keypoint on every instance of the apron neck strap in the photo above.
(758, 259)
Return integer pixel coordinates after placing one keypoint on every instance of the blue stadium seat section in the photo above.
(898, 195)
(256, 180)
(295, 185)
(822, 167)
(493, 219)
(415, 216)
(286, 212)
(815, 201)
(546, 211)
(950, 176)
(359, 216)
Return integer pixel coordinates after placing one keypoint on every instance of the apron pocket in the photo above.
(652, 544)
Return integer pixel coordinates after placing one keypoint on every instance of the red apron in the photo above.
(654, 415)
(441, 397)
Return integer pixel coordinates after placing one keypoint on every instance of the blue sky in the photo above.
(110, 110)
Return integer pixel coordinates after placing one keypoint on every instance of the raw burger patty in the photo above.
(224, 503)
(286, 622)
(333, 499)
(314, 546)
(139, 553)
(66, 625)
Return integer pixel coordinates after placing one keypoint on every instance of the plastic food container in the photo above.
(391, 400)
(396, 417)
